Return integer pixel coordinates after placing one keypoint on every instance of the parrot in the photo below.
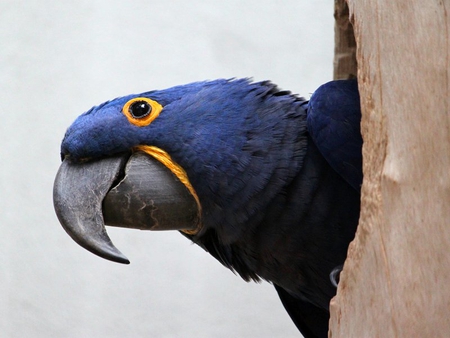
(264, 180)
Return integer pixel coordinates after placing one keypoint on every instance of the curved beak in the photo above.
(126, 191)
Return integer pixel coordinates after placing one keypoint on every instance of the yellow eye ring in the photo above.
(141, 111)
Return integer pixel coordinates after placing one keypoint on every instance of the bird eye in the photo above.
(141, 111)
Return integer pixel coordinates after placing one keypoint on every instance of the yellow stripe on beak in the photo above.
(178, 171)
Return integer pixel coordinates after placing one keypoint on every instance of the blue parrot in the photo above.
(265, 181)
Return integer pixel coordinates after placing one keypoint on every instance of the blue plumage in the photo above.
(334, 116)
(278, 178)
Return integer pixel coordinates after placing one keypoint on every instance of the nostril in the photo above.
(64, 155)
(64, 152)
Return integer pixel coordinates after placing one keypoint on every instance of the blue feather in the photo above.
(334, 116)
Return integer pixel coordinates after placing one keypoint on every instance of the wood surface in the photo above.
(396, 279)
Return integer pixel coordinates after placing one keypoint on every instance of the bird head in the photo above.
(186, 158)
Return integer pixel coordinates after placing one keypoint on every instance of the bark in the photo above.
(396, 279)
(344, 43)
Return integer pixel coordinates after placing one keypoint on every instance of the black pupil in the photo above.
(140, 109)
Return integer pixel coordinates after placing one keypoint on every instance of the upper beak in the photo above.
(134, 191)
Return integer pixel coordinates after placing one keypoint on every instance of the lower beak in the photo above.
(126, 191)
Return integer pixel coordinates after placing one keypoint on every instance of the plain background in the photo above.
(57, 59)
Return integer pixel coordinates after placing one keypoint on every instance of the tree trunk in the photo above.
(396, 280)
(345, 66)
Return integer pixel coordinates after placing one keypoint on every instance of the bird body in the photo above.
(276, 177)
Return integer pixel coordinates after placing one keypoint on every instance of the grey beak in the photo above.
(146, 196)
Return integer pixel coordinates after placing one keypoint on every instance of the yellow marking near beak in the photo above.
(179, 172)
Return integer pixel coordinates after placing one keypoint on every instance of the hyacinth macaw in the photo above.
(265, 181)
